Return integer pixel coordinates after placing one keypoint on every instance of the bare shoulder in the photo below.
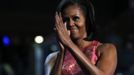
(107, 48)
(108, 58)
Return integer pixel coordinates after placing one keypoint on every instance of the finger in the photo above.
(57, 20)
(60, 18)
(62, 24)
(68, 32)
(65, 26)
(61, 45)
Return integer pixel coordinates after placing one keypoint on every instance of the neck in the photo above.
(82, 43)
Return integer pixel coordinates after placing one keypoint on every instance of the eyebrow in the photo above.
(77, 14)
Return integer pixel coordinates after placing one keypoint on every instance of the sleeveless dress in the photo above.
(71, 67)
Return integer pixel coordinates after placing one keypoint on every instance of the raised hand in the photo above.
(61, 30)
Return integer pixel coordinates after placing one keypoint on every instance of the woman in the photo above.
(79, 55)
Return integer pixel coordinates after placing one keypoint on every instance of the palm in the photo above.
(62, 30)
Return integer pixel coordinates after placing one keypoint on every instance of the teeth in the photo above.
(73, 28)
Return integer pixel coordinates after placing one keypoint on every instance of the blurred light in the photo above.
(6, 40)
(38, 59)
(39, 39)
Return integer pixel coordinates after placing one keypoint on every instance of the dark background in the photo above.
(22, 20)
(31, 16)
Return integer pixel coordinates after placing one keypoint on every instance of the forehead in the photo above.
(73, 9)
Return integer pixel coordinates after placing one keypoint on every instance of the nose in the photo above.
(71, 22)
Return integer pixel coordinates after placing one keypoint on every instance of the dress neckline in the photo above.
(90, 45)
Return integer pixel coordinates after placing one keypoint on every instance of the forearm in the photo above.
(58, 65)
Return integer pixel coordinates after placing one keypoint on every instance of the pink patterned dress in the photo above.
(71, 67)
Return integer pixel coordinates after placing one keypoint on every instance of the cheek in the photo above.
(82, 28)
(82, 23)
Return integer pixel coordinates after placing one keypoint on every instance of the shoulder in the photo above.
(104, 47)
(108, 58)
(107, 49)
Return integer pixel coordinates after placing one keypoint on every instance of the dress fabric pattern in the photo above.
(71, 67)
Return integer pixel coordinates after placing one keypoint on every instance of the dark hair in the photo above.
(88, 10)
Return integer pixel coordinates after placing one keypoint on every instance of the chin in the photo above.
(75, 37)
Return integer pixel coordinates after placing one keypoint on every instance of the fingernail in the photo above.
(65, 23)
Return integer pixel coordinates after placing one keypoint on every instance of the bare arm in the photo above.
(106, 64)
(108, 57)
(58, 64)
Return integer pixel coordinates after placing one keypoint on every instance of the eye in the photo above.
(65, 19)
(76, 18)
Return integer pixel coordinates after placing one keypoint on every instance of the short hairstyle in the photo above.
(87, 8)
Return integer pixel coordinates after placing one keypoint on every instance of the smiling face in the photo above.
(76, 22)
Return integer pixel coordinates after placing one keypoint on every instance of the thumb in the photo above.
(61, 45)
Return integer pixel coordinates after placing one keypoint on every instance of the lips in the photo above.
(73, 29)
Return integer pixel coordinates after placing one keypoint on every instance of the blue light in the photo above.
(6, 41)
